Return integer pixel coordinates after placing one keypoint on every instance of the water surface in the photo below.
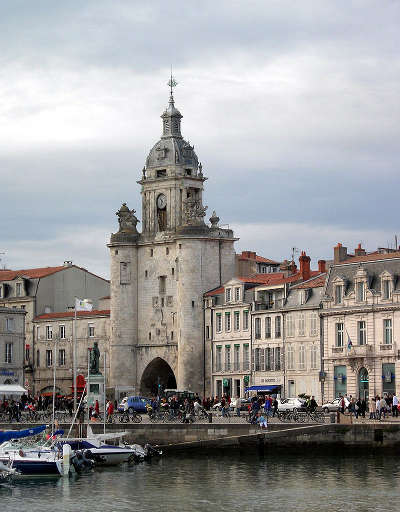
(219, 483)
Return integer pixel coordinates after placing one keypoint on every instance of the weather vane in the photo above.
(172, 82)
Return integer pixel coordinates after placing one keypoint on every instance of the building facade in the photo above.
(361, 323)
(54, 334)
(12, 346)
(159, 276)
(46, 290)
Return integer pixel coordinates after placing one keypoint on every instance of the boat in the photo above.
(27, 457)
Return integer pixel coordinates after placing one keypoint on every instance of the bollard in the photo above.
(210, 417)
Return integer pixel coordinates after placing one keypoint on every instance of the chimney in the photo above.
(305, 270)
(339, 253)
(359, 251)
(321, 266)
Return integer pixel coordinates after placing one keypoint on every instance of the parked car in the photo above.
(291, 404)
(334, 405)
(135, 403)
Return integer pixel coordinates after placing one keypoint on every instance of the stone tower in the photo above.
(158, 277)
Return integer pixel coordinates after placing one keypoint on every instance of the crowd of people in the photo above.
(378, 406)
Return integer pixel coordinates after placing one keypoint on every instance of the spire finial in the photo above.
(172, 83)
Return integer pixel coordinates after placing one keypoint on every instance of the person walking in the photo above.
(383, 407)
(378, 408)
(395, 403)
(372, 409)
(238, 405)
(267, 406)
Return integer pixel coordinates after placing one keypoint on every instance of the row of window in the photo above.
(236, 321)
(49, 357)
(61, 332)
(237, 364)
(265, 359)
(232, 294)
(19, 290)
(268, 327)
(362, 333)
(360, 289)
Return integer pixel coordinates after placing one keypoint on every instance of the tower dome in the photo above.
(171, 151)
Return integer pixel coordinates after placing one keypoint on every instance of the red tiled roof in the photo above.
(315, 282)
(217, 291)
(70, 314)
(32, 273)
(258, 259)
(35, 273)
(374, 256)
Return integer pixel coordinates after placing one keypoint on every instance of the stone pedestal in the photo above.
(96, 390)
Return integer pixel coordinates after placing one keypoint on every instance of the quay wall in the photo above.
(290, 438)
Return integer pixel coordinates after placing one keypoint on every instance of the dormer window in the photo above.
(339, 294)
(237, 294)
(386, 289)
(1, 291)
(18, 289)
(303, 296)
(360, 291)
(228, 294)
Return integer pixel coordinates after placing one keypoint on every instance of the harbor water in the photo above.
(219, 482)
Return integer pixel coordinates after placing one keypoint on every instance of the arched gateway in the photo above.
(157, 375)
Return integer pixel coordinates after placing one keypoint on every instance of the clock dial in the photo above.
(161, 201)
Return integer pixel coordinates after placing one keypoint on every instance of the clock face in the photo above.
(161, 201)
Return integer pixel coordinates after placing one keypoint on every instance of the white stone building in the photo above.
(284, 333)
(158, 277)
(12, 346)
(45, 290)
(54, 343)
(361, 323)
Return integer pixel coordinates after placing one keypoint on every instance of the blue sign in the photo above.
(7, 372)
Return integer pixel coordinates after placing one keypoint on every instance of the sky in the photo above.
(293, 109)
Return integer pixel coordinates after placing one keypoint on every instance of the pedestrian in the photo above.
(372, 409)
(267, 406)
(357, 408)
(262, 420)
(378, 408)
(383, 407)
(395, 403)
(275, 405)
(363, 407)
(97, 407)
(238, 405)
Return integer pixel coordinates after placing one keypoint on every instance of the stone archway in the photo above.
(157, 375)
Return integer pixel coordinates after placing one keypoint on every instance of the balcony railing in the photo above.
(354, 351)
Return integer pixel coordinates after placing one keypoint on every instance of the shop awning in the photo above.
(12, 389)
(262, 388)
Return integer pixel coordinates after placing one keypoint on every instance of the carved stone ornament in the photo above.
(214, 219)
(194, 212)
(127, 220)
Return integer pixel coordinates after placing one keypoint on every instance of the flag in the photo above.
(83, 305)
(349, 343)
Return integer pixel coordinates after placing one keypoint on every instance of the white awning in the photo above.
(12, 389)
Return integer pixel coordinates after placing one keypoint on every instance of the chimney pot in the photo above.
(322, 266)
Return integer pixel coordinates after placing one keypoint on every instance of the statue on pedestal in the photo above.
(94, 360)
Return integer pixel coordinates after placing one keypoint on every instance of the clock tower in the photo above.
(159, 276)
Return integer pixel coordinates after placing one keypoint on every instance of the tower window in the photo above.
(192, 303)
(151, 252)
(180, 246)
(162, 283)
(149, 336)
(167, 250)
(116, 252)
(145, 273)
(188, 172)
(172, 335)
(172, 271)
(161, 173)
